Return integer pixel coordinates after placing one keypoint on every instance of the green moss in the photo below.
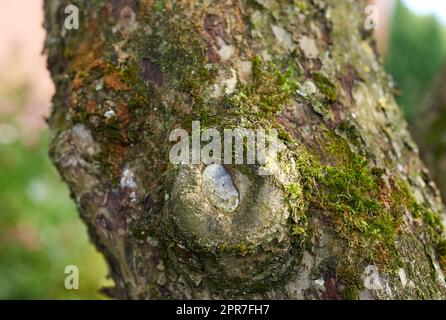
(350, 293)
(441, 249)
(431, 219)
(244, 249)
(328, 88)
(302, 5)
(253, 104)
(378, 172)
(267, 93)
(158, 5)
(241, 249)
(348, 130)
(351, 197)
(180, 52)
(431, 226)
(350, 275)
(344, 187)
(296, 203)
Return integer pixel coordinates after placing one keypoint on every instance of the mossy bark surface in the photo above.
(348, 192)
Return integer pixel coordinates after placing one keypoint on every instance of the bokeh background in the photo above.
(40, 230)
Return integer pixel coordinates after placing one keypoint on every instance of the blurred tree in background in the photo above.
(416, 50)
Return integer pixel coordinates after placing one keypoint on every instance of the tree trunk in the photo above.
(430, 130)
(349, 210)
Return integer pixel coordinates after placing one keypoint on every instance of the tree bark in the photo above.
(430, 130)
(348, 196)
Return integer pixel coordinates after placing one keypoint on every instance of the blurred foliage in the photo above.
(40, 230)
(416, 50)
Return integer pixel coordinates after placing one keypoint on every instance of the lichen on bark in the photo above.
(349, 191)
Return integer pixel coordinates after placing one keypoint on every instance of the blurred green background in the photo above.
(40, 230)
(416, 49)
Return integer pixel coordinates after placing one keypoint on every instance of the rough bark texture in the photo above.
(430, 130)
(348, 192)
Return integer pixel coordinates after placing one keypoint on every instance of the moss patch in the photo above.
(357, 204)
(268, 91)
